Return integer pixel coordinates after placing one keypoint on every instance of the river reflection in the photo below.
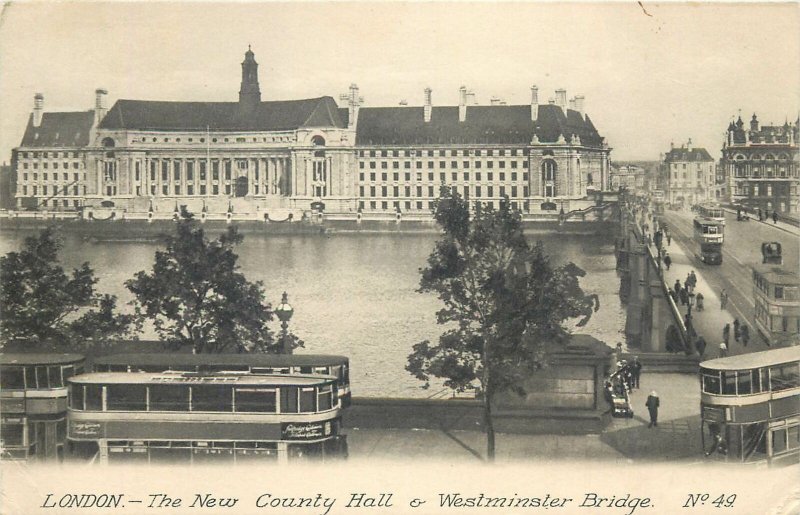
(354, 294)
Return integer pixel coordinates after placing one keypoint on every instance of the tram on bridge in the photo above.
(776, 294)
(33, 404)
(709, 234)
(711, 210)
(750, 407)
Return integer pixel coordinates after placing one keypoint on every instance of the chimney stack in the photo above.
(579, 105)
(353, 102)
(38, 109)
(561, 99)
(534, 103)
(471, 98)
(428, 105)
(99, 104)
(462, 104)
(689, 145)
(572, 104)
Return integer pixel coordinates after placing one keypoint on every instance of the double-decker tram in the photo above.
(33, 404)
(196, 418)
(750, 407)
(712, 211)
(710, 235)
(776, 294)
(337, 366)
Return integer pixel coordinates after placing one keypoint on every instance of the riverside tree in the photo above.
(195, 296)
(504, 303)
(43, 305)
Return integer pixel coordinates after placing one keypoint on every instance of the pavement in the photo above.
(677, 437)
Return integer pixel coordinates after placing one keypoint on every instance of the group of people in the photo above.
(762, 215)
(686, 293)
(741, 333)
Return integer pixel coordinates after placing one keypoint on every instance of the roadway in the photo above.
(741, 250)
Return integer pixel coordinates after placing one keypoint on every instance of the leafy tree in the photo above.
(504, 303)
(196, 296)
(43, 305)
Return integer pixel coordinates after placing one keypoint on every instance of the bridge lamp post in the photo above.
(284, 311)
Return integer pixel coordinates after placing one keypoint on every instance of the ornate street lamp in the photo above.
(284, 311)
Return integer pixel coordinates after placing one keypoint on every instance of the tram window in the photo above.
(308, 400)
(778, 440)
(94, 397)
(754, 439)
(756, 383)
(784, 377)
(743, 384)
(321, 370)
(41, 378)
(12, 378)
(76, 397)
(325, 398)
(711, 384)
(289, 399)
(306, 370)
(12, 434)
(54, 375)
(30, 378)
(212, 398)
(794, 437)
(169, 398)
(764, 373)
(126, 397)
(728, 383)
(255, 400)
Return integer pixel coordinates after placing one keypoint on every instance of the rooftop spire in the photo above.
(249, 92)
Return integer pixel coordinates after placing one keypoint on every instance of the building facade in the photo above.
(762, 165)
(628, 176)
(255, 156)
(691, 175)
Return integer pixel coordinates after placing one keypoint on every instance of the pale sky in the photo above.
(680, 72)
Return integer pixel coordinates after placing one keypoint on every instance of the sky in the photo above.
(651, 74)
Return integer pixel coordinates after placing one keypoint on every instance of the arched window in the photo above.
(318, 141)
(108, 142)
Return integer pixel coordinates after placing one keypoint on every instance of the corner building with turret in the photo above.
(255, 156)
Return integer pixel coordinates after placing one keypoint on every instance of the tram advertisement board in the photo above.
(306, 430)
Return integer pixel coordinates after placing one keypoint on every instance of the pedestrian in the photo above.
(738, 213)
(700, 345)
(636, 369)
(684, 296)
(677, 287)
(699, 299)
(658, 238)
(736, 327)
(669, 239)
(723, 349)
(652, 407)
(693, 276)
(723, 299)
(667, 261)
(775, 217)
(760, 215)
(726, 333)
(745, 334)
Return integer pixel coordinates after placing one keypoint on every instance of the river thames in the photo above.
(354, 294)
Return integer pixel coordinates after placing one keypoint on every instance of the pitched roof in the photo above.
(684, 154)
(510, 124)
(69, 129)
(269, 116)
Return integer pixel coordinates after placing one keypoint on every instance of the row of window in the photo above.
(780, 292)
(443, 152)
(776, 323)
(203, 398)
(54, 165)
(454, 176)
(37, 377)
(421, 205)
(746, 382)
(37, 155)
(238, 139)
(55, 177)
(432, 191)
(56, 190)
(13, 434)
(762, 157)
(442, 164)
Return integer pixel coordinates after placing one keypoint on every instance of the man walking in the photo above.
(667, 261)
(652, 407)
(745, 334)
(726, 334)
(723, 349)
(636, 369)
(775, 217)
(723, 299)
(736, 327)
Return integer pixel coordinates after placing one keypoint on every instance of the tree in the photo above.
(43, 305)
(504, 303)
(196, 296)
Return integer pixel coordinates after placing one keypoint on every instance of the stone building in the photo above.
(255, 156)
(691, 175)
(762, 165)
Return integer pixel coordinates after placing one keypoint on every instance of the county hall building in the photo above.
(255, 156)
